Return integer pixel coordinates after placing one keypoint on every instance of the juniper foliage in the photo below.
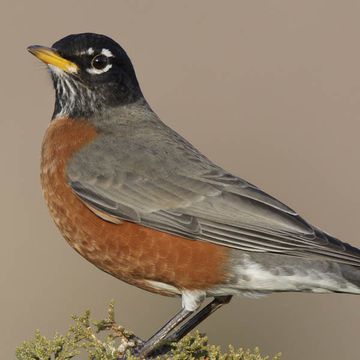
(106, 340)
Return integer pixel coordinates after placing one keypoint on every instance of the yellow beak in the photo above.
(50, 57)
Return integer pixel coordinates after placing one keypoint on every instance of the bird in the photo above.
(141, 203)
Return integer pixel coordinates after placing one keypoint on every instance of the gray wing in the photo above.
(171, 187)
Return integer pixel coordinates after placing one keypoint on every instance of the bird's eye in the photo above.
(99, 62)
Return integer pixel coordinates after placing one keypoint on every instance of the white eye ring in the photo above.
(100, 64)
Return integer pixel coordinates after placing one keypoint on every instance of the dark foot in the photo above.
(133, 345)
(147, 348)
(143, 352)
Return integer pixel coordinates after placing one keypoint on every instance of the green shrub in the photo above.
(106, 340)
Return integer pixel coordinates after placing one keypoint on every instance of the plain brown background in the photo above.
(270, 90)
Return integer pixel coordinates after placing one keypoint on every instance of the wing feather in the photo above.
(183, 193)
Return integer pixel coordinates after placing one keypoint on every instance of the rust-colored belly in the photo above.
(130, 252)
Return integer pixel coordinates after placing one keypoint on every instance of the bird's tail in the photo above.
(352, 275)
(349, 264)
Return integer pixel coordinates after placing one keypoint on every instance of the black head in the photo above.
(90, 72)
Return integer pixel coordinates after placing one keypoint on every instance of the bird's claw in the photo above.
(133, 347)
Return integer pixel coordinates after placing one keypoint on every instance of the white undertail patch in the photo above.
(254, 277)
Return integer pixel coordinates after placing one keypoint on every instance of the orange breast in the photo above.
(130, 252)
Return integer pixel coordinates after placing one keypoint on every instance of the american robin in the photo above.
(142, 204)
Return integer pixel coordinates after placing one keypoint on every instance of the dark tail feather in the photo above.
(352, 275)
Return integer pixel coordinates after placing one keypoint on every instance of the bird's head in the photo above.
(90, 73)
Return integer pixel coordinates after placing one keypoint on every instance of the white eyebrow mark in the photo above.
(107, 53)
(89, 51)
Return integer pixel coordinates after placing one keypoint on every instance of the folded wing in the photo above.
(183, 193)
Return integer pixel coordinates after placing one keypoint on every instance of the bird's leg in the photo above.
(150, 344)
(163, 333)
(216, 304)
(191, 301)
